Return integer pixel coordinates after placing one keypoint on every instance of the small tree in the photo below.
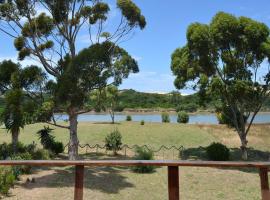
(182, 117)
(224, 59)
(113, 141)
(21, 98)
(165, 117)
(105, 99)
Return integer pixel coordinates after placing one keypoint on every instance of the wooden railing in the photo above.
(173, 171)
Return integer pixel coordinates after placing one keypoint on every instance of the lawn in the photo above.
(121, 183)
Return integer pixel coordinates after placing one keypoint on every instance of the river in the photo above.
(193, 119)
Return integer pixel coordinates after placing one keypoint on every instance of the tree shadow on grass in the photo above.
(104, 179)
(254, 155)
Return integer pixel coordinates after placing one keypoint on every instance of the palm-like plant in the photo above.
(45, 137)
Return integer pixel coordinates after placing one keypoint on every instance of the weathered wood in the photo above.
(79, 176)
(173, 183)
(111, 163)
(264, 183)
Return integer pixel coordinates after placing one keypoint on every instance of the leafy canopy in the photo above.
(224, 59)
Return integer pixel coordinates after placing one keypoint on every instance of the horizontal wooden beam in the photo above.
(135, 163)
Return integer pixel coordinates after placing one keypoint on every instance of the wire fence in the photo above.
(161, 153)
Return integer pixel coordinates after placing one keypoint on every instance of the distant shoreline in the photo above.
(151, 112)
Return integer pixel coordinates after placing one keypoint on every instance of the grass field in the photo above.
(122, 183)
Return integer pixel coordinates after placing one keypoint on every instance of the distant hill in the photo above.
(131, 99)
(141, 100)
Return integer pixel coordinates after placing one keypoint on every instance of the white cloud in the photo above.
(149, 81)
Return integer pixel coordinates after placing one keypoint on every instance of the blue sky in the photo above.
(167, 22)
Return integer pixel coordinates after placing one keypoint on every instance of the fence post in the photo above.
(79, 176)
(173, 183)
(264, 183)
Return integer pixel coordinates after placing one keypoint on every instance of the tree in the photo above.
(52, 39)
(223, 59)
(18, 85)
(106, 99)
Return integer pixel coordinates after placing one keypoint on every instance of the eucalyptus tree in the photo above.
(50, 32)
(19, 87)
(226, 58)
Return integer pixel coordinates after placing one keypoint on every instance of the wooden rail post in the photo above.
(173, 183)
(264, 184)
(79, 175)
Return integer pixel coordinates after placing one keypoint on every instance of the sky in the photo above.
(167, 22)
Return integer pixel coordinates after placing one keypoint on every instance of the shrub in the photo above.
(182, 117)
(129, 118)
(144, 154)
(41, 154)
(6, 150)
(7, 179)
(142, 122)
(113, 141)
(45, 137)
(57, 147)
(48, 142)
(165, 117)
(218, 152)
(22, 169)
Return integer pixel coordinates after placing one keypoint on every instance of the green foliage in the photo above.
(89, 66)
(165, 117)
(48, 142)
(128, 118)
(182, 117)
(189, 107)
(144, 154)
(22, 169)
(45, 137)
(142, 122)
(7, 179)
(223, 59)
(41, 154)
(6, 150)
(57, 148)
(113, 141)
(132, 13)
(218, 152)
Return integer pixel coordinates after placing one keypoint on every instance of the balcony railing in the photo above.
(173, 171)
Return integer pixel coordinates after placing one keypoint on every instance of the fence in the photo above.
(161, 153)
(173, 171)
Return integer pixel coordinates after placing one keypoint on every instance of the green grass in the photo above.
(122, 183)
(153, 134)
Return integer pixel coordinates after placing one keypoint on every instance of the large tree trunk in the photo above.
(15, 139)
(244, 143)
(73, 139)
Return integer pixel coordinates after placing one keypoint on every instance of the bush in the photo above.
(7, 179)
(22, 169)
(129, 118)
(41, 154)
(48, 142)
(6, 150)
(113, 141)
(57, 147)
(165, 117)
(144, 154)
(182, 117)
(142, 122)
(218, 152)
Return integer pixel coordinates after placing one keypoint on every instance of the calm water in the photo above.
(193, 119)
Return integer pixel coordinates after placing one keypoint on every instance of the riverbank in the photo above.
(194, 118)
